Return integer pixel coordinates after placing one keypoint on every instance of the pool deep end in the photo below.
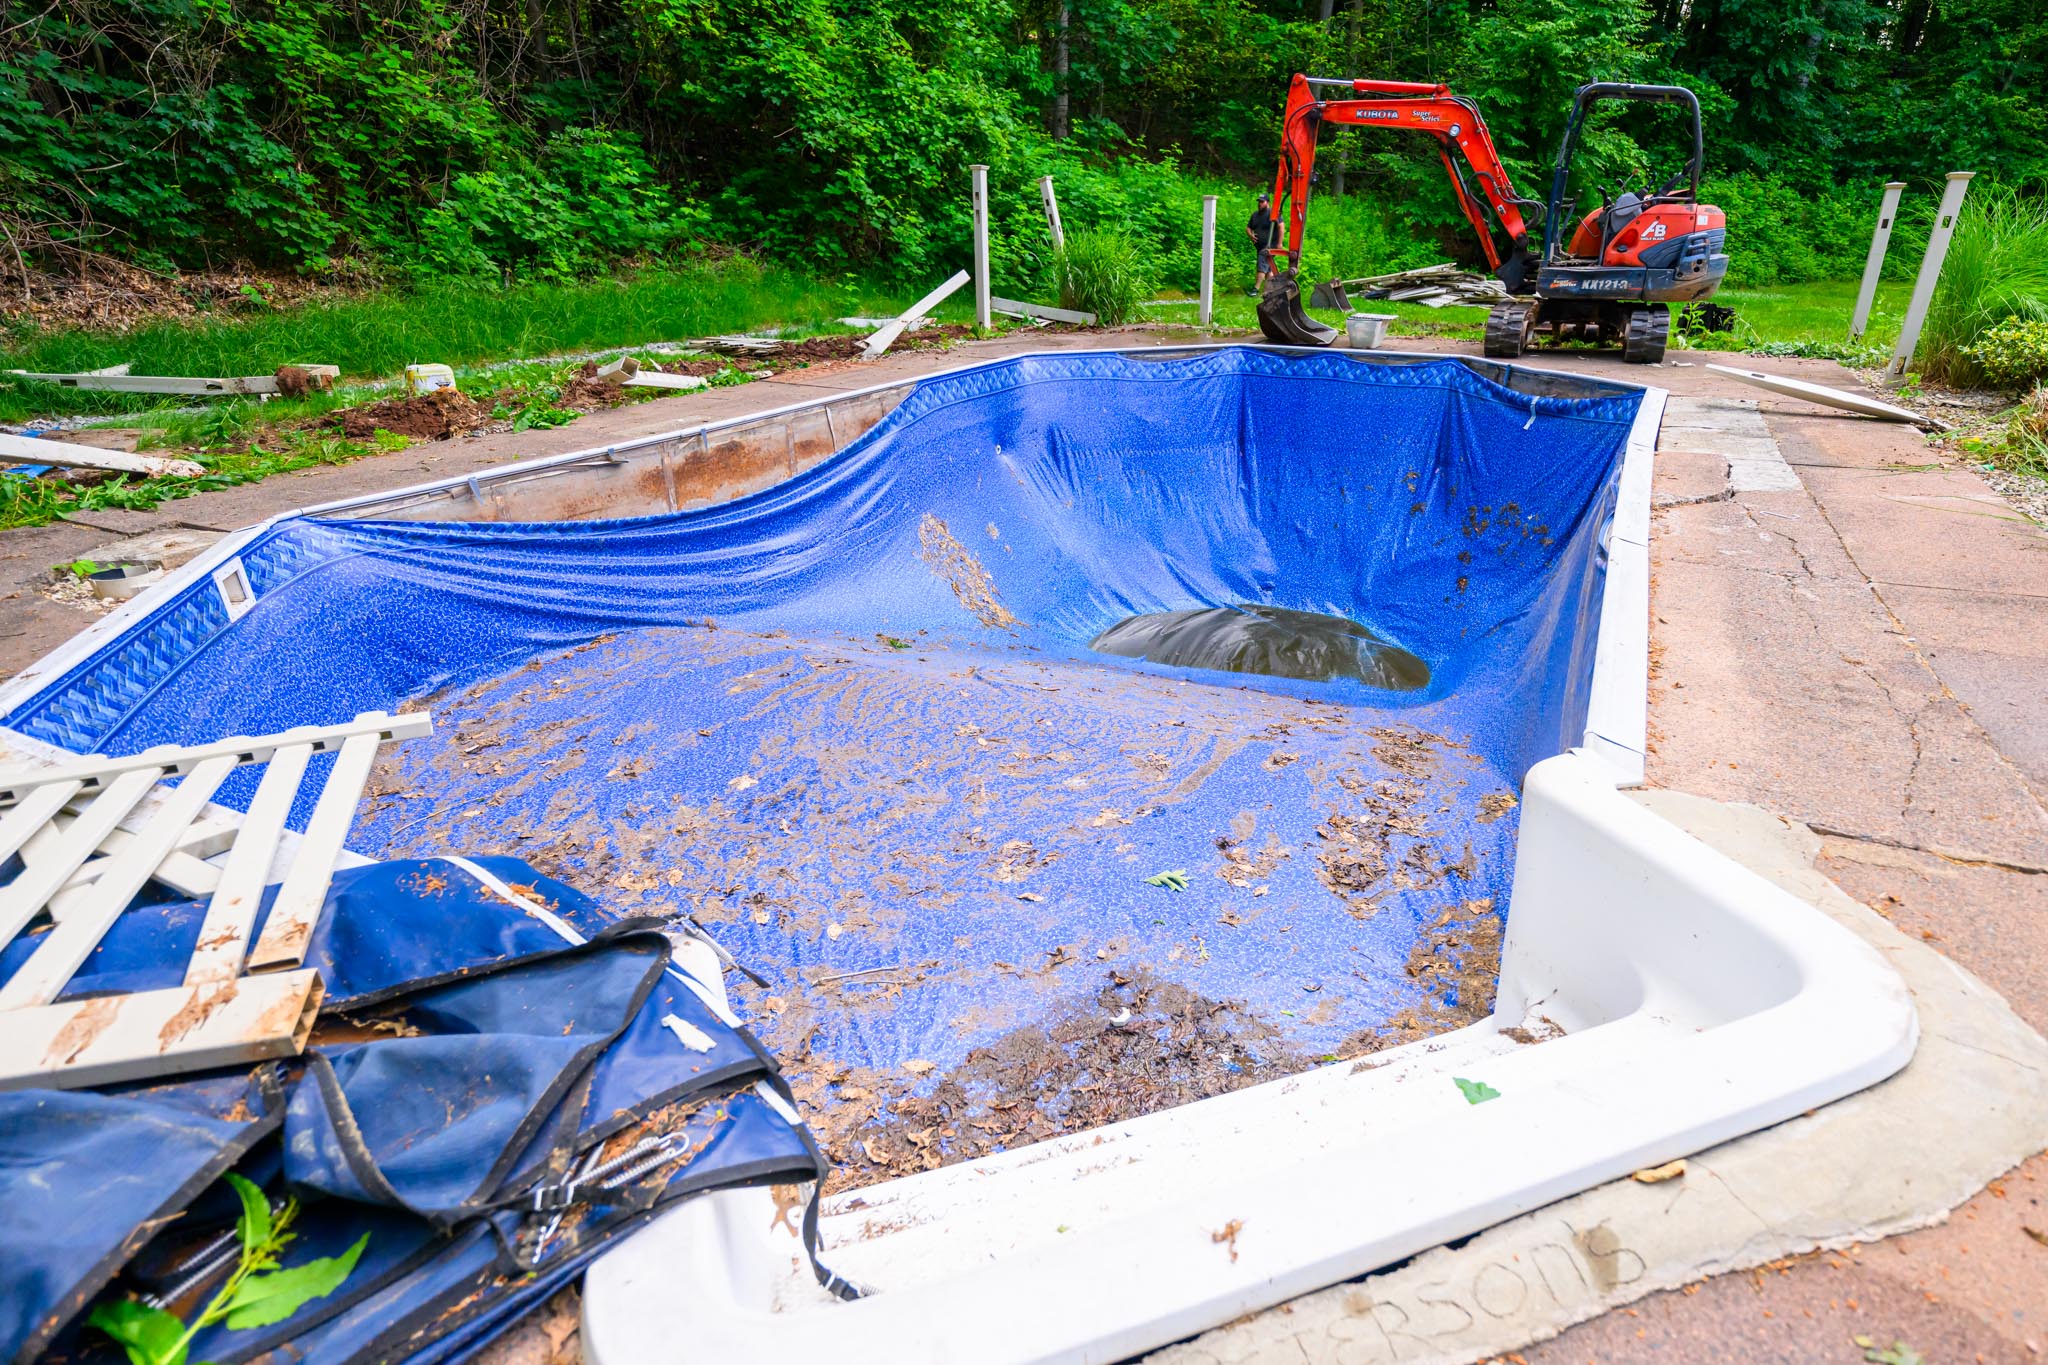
(853, 724)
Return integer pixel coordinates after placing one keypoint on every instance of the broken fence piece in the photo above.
(28, 450)
(1833, 398)
(655, 379)
(737, 345)
(1039, 310)
(92, 832)
(291, 378)
(1433, 286)
(885, 336)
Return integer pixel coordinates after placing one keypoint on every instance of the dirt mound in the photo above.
(587, 393)
(1146, 1045)
(430, 417)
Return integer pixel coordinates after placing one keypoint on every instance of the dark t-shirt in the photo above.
(1261, 227)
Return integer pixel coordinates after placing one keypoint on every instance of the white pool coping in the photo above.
(1698, 1001)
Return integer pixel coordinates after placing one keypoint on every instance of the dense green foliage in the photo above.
(2012, 353)
(1997, 268)
(545, 138)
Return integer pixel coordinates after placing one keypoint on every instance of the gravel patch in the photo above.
(2025, 494)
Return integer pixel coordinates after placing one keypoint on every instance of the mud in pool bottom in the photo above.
(998, 895)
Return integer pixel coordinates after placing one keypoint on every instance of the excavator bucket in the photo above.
(1283, 319)
(1330, 294)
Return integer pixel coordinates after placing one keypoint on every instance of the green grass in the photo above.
(374, 336)
(32, 502)
(1997, 268)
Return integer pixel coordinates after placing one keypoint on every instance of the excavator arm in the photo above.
(1423, 107)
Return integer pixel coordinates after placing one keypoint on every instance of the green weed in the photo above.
(1102, 272)
(1997, 268)
(33, 502)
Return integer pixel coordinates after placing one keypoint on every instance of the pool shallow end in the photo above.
(1700, 1002)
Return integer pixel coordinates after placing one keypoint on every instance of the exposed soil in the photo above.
(430, 417)
(104, 293)
(1145, 1045)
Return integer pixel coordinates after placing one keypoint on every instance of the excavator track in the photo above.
(1508, 329)
(1649, 328)
(1283, 319)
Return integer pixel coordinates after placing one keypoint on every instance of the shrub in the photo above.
(2012, 353)
(1781, 233)
(1997, 269)
(1104, 273)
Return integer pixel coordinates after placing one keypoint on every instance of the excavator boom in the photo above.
(1423, 107)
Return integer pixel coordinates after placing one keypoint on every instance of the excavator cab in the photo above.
(1614, 277)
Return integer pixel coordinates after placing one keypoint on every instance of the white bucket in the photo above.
(1367, 330)
(421, 379)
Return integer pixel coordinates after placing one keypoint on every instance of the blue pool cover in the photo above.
(851, 724)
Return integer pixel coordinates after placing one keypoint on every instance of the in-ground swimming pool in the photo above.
(1001, 885)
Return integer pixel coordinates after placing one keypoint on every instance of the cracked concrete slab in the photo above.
(1971, 1105)
(1786, 671)
(1734, 429)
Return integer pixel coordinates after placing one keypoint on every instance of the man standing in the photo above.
(1260, 229)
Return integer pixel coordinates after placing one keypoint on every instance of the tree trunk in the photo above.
(1913, 26)
(1059, 75)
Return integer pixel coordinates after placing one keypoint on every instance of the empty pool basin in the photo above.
(1108, 981)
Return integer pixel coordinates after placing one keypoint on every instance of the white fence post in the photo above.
(982, 318)
(1052, 212)
(1930, 270)
(1208, 257)
(1874, 267)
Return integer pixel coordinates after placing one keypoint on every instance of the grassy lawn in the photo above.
(374, 336)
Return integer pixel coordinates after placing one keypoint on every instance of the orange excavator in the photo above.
(1612, 280)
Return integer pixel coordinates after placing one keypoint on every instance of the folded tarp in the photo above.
(490, 1131)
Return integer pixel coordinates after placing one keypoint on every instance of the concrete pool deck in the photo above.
(1849, 637)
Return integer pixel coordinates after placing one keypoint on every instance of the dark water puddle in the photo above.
(1274, 641)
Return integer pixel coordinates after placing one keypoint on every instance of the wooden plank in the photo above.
(96, 769)
(224, 936)
(24, 897)
(1039, 310)
(297, 907)
(63, 454)
(91, 910)
(107, 1039)
(885, 336)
